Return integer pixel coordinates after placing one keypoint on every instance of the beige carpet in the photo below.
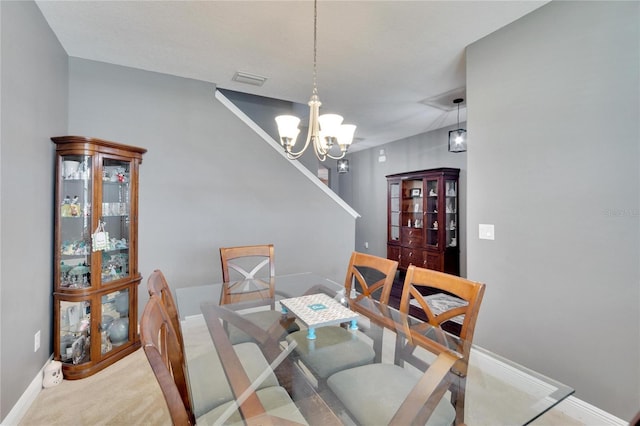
(125, 393)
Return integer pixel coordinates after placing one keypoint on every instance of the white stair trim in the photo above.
(275, 145)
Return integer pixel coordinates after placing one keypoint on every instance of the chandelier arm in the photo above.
(336, 158)
(295, 155)
(314, 128)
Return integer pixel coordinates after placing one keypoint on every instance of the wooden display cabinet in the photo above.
(96, 274)
(422, 219)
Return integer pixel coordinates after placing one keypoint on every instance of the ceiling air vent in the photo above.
(247, 78)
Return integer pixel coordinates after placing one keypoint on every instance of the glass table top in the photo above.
(498, 391)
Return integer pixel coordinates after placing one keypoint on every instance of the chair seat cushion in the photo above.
(275, 400)
(209, 385)
(263, 319)
(333, 350)
(373, 393)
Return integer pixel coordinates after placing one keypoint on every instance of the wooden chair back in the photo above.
(165, 355)
(470, 294)
(247, 263)
(370, 274)
(157, 285)
(231, 257)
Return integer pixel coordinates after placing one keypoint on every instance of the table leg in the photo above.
(311, 335)
(354, 325)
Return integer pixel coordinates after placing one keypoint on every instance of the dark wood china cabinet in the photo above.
(96, 274)
(422, 219)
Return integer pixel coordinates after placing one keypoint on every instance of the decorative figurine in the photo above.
(52, 374)
(112, 271)
(435, 225)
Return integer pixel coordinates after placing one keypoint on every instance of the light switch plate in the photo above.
(486, 232)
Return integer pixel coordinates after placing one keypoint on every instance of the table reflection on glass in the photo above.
(498, 391)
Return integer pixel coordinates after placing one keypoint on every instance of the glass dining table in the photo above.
(497, 391)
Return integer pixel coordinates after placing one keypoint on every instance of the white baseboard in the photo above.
(28, 397)
(585, 413)
(588, 414)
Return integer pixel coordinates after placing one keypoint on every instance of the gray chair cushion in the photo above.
(333, 350)
(263, 319)
(275, 400)
(373, 393)
(209, 385)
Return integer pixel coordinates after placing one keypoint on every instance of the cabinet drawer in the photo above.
(412, 237)
(412, 256)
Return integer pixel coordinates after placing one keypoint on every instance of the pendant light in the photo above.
(458, 137)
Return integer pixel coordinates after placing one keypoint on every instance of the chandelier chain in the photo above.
(315, 46)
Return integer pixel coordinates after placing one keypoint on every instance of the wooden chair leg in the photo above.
(457, 397)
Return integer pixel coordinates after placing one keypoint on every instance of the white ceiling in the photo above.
(378, 61)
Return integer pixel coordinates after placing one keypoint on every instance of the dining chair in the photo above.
(244, 263)
(336, 348)
(205, 394)
(165, 355)
(163, 351)
(458, 301)
(157, 285)
(370, 276)
(248, 276)
(387, 394)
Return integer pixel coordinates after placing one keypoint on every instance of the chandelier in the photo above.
(325, 131)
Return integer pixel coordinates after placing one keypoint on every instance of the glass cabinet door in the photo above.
(432, 224)
(114, 323)
(451, 210)
(75, 331)
(116, 210)
(394, 211)
(75, 221)
(412, 203)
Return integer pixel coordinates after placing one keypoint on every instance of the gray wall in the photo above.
(34, 107)
(553, 162)
(207, 181)
(365, 186)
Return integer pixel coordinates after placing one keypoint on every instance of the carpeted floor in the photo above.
(125, 393)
